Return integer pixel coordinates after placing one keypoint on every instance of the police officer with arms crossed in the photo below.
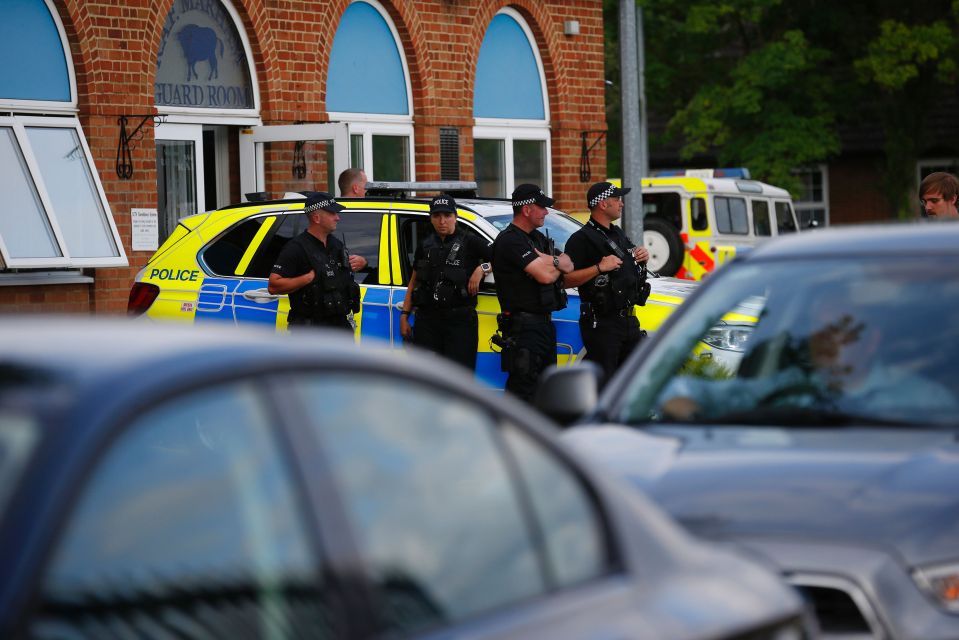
(315, 269)
(448, 268)
(529, 285)
(611, 277)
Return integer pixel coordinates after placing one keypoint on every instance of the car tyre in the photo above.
(665, 246)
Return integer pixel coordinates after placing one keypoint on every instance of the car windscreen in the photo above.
(558, 225)
(819, 343)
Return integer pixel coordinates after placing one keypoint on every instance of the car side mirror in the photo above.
(568, 393)
(812, 224)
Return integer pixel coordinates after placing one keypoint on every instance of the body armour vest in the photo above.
(333, 291)
(442, 275)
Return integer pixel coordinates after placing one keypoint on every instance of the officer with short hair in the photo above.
(316, 270)
(448, 267)
(611, 276)
(529, 285)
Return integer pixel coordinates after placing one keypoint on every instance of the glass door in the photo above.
(180, 184)
(278, 159)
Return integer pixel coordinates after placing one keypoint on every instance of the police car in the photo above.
(214, 267)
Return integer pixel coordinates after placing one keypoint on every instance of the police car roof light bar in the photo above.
(728, 172)
(456, 188)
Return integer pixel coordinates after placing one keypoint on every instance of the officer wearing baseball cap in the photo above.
(611, 276)
(448, 267)
(316, 270)
(529, 284)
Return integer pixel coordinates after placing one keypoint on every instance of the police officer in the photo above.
(611, 276)
(315, 269)
(448, 268)
(529, 285)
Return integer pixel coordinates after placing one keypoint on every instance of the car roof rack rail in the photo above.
(455, 188)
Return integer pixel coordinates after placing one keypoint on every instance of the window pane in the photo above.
(437, 517)
(731, 216)
(224, 255)
(490, 167)
(72, 191)
(391, 155)
(567, 517)
(190, 521)
(305, 165)
(356, 150)
(761, 223)
(26, 234)
(529, 162)
(176, 183)
(282, 232)
(784, 218)
(360, 232)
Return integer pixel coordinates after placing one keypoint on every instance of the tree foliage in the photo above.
(770, 84)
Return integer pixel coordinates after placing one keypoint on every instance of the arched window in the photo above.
(368, 86)
(511, 135)
(48, 176)
(205, 86)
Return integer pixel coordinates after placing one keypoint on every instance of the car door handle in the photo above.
(398, 306)
(260, 295)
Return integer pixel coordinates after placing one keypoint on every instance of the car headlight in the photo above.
(729, 337)
(942, 582)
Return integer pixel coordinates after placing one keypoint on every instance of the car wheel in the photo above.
(666, 248)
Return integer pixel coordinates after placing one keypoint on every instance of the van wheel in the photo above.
(666, 248)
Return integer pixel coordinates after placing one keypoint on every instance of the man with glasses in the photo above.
(937, 195)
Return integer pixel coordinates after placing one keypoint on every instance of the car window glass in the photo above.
(664, 205)
(559, 225)
(188, 523)
(731, 215)
(286, 228)
(697, 208)
(761, 223)
(223, 255)
(762, 347)
(438, 519)
(414, 230)
(360, 232)
(567, 517)
(784, 218)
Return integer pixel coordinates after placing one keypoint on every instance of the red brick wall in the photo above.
(853, 197)
(113, 44)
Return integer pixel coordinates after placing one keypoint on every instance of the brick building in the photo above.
(118, 117)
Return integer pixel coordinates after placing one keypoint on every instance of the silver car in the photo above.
(829, 446)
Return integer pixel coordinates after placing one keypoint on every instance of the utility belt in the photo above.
(587, 309)
(517, 359)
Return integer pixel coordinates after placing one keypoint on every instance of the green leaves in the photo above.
(899, 51)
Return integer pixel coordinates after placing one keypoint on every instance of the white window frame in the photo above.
(508, 130)
(370, 124)
(823, 204)
(59, 114)
(19, 125)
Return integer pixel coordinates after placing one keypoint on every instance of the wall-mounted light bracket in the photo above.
(125, 148)
(584, 170)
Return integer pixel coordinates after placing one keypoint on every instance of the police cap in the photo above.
(602, 190)
(443, 204)
(530, 194)
(322, 200)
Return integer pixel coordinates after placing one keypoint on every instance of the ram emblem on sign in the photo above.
(199, 43)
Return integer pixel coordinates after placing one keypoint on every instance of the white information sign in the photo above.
(145, 229)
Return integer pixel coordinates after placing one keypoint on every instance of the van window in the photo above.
(762, 225)
(664, 205)
(697, 214)
(785, 221)
(731, 216)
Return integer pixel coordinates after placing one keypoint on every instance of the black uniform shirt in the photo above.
(293, 261)
(473, 252)
(585, 251)
(512, 251)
